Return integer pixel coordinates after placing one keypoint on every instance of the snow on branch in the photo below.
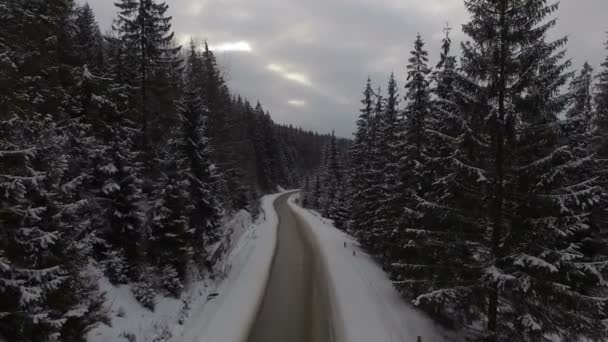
(9, 153)
(443, 295)
(481, 178)
(529, 261)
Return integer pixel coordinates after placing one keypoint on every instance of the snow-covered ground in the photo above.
(366, 305)
(230, 317)
(209, 310)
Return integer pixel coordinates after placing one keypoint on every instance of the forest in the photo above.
(482, 188)
(480, 185)
(121, 149)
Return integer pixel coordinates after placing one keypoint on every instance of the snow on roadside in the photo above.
(210, 310)
(228, 317)
(368, 306)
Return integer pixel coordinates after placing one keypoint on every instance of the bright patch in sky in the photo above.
(290, 75)
(297, 103)
(195, 8)
(240, 46)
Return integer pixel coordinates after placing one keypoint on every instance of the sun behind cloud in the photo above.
(290, 75)
(297, 103)
(239, 46)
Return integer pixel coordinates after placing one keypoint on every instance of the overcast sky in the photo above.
(307, 60)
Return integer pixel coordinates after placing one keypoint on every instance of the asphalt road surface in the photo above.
(296, 306)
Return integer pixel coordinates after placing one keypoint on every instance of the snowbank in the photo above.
(233, 312)
(130, 319)
(367, 306)
(209, 310)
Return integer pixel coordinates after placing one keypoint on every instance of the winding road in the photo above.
(296, 305)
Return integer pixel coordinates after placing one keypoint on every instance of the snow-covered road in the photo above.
(296, 305)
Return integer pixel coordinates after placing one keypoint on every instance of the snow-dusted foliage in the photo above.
(489, 210)
(115, 267)
(363, 177)
(105, 159)
(45, 234)
(144, 290)
(170, 281)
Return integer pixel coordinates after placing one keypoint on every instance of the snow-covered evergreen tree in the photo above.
(447, 232)
(601, 107)
(371, 236)
(88, 40)
(390, 125)
(524, 198)
(413, 163)
(44, 293)
(194, 165)
(116, 179)
(145, 31)
(581, 95)
(358, 156)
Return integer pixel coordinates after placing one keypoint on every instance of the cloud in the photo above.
(323, 51)
(297, 103)
(240, 46)
(195, 7)
(290, 75)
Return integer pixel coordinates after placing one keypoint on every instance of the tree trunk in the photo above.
(498, 127)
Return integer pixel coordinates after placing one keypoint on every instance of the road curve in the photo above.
(296, 305)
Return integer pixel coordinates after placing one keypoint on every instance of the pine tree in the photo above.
(388, 153)
(214, 92)
(144, 27)
(413, 132)
(171, 236)
(340, 209)
(264, 162)
(116, 182)
(31, 274)
(194, 163)
(305, 193)
(527, 198)
(581, 93)
(43, 290)
(417, 96)
(371, 236)
(601, 108)
(333, 182)
(358, 155)
(446, 234)
(88, 41)
(413, 165)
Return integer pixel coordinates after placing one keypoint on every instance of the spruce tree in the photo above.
(581, 95)
(358, 155)
(446, 232)
(390, 123)
(116, 182)
(371, 236)
(145, 29)
(413, 131)
(333, 180)
(196, 167)
(88, 41)
(43, 289)
(601, 107)
(413, 164)
(213, 90)
(531, 200)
